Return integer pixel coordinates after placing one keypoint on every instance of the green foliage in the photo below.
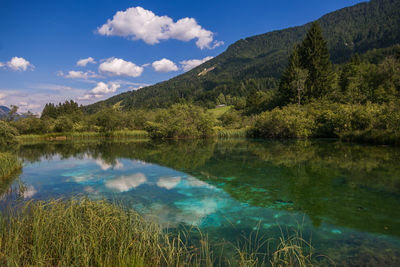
(289, 122)
(181, 120)
(9, 163)
(329, 119)
(315, 58)
(80, 232)
(63, 124)
(8, 134)
(262, 59)
(54, 111)
(309, 72)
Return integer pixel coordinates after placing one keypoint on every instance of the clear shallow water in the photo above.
(346, 197)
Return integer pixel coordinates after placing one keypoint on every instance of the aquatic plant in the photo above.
(81, 232)
(84, 135)
(233, 133)
(8, 164)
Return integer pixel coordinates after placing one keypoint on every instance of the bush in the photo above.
(181, 120)
(289, 122)
(8, 134)
(63, 124)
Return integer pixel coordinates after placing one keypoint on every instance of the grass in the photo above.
(84, 135)
(9, 163)
(218, 112)
(233, 133)
(81, 232)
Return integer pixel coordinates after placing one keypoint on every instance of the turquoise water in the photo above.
(345, 198)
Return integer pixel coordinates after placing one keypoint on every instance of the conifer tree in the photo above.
(309, 72)
(314, 57)
(287, 92)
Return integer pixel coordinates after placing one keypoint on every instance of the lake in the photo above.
(344, 198)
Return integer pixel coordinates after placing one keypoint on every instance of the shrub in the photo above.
(289, 122)
(181, 120)
(8, 134)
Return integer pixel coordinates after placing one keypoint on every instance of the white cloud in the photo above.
(37, 95)
(19, 64)
(28, 106)
(100, 90)
(73, 74)
(168, 182)
(192, 63)
(2, 96)
(120, 67)
(2, 64)
(126, 183)
(139, 23)
(84, 61)
(164, 65)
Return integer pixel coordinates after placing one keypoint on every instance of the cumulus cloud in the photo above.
(28, 106)
(37, 95)
(2, 64)
(100, 90)
(141, 24)
(192, 63)
(19, 64)
(2, 96)
(126, 183)
(73, 74)
(84, 61)
(120, 67)
(164, 65)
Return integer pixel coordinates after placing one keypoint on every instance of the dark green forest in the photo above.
(256, 63)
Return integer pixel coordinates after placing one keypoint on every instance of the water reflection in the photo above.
(346, 194)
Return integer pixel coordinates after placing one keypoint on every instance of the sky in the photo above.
(90, 50)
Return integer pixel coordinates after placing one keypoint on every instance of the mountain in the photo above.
(257, 62)
(4, 111)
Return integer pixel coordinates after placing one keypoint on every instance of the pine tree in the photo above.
(286, 90)
(314, 57)
(309, 73)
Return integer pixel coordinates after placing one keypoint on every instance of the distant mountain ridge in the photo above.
(258, 61)
(4, 111)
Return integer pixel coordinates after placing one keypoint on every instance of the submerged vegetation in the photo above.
(81, 232)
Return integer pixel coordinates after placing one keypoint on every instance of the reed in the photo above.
(233, 133)
(80, 232)
(9, 163)
(84, 135)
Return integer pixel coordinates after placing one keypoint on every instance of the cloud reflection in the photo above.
(169, 182)
(105, 166)
(126, 183)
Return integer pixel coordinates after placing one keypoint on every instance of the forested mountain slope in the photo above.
(257, 62)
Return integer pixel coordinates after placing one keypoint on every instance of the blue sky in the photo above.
(124, 45)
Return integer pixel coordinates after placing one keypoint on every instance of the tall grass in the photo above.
(8, 164)
(81, 232)
(84, 135)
